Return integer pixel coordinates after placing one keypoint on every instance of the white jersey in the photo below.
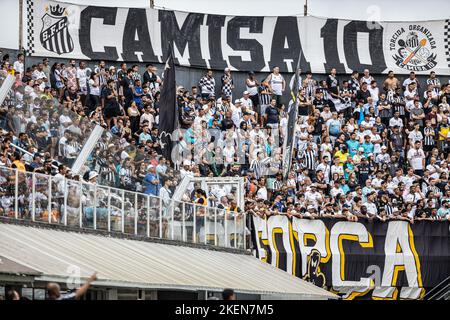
(276, 82)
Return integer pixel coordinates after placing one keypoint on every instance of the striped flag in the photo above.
(288, 145)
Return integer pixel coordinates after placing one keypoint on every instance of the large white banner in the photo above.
(241, 43)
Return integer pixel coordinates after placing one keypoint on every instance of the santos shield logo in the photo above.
(414, 47)
(55, 36)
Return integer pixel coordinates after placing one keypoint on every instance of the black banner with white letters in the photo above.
(242, 43)
(359, 260)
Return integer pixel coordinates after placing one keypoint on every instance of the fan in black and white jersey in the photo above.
(310, 85)
(308, 158)
(207, 84)
(227, 83)
(346, 99)
(434, 82)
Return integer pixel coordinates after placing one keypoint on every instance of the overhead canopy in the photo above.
(140, 264)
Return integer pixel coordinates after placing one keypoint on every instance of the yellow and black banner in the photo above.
(365, 260)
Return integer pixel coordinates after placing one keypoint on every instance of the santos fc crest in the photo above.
(55, 36)
(414, 48)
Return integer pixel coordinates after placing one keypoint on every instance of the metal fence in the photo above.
(56, 200)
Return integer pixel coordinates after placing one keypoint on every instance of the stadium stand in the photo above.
(362, 150)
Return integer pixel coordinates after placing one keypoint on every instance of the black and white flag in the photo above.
(168, 110)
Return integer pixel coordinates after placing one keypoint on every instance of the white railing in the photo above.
(49, 199)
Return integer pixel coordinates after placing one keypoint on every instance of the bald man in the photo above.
(54, 290)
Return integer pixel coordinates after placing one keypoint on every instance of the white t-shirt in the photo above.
(410, 94)
(371, 208)
(396, 122)
(262, 193)
(415, 158)
(247, 103)
(415, 136)
(313, 198)
(433, 171)
(408, 81)
(38, 75)
(374, 93)
(95, 91)
(83, 78)
(376, 146)
(367, 80)
(18, 66)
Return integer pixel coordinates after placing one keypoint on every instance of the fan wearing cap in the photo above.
(93, 176)
(358, 156)
(313, 197)
(311, 212)
(237, 113)
(329, 212)
(383, 156)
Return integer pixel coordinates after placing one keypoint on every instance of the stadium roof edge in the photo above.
(117, 235)
(139, 264)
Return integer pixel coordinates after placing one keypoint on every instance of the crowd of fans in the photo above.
(362, 149)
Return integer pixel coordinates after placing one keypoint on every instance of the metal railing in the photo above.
(56, 200)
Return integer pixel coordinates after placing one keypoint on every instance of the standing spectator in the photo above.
(227, 84)
(127, 84)
(277, 84)
(70, 74)
(366, 78)
(412, 79)
(83, 75)
(416, 158)
(310, 85)
(207, 85)
(299, 84)
(100, 71)
(434, 82)
(272, 115)
(151, 180)
(19, 64)
(397, 141)
(265, 98)
(374, 91)
(252, 85)
(391, 83)
(151, 78)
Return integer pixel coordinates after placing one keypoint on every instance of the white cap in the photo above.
(246, 92)
(92, 175)
(237, 101)
(361, 149)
